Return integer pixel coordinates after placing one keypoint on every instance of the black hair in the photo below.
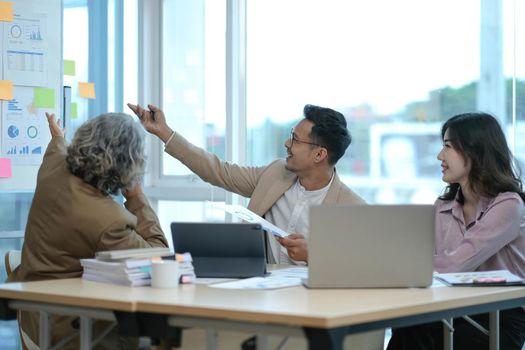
(478, 137)
(329, 130)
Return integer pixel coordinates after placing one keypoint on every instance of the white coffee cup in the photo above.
(164, 274)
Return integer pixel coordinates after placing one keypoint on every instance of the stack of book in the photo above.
(128, 272)
(186, 270)
(138, 253)
(132, 267)
(129, 267)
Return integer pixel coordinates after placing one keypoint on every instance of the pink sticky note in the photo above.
(5, 167)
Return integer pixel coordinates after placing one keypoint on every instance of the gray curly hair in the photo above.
(108, 152)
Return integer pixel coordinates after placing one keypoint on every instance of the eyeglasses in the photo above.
(293, 139)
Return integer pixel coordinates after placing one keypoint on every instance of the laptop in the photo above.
(370, 246)
(222, 250)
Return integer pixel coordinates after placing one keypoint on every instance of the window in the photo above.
(515, 71)
(122, 54)
(185, 211)
(193, 86)
(130, 54)
(193, 99)
(75, 48)
(396, 70)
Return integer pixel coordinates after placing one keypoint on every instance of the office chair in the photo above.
(12, 260)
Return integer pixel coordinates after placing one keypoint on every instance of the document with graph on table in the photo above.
(481, 278)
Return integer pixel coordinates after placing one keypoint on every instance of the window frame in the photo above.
(191, 187)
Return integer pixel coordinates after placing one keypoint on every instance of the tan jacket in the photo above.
(70, 220)
(263, 185)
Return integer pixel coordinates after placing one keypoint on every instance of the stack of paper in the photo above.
(186, 270)
(129, 267)
(129, 272)
(138, 253)
(282, 278)
(132, 267)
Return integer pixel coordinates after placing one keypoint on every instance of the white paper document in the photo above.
(480, 278)
(212, 280)
(25, 128)
(289, 277)
(25, 48)
(247, 215)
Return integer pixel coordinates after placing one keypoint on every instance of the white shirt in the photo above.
(290, 213)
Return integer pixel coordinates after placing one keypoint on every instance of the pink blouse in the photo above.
(495, 241)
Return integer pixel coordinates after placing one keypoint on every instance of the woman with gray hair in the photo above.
(107, 152)
(73, 216)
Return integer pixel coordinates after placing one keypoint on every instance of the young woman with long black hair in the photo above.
(480, 226)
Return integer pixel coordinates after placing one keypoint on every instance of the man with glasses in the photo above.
(283, 190)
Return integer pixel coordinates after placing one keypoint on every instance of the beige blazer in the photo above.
(70, 220)
(263, 185)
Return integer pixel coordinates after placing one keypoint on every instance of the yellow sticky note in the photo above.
(6, 11)
(69, 67)
(86, 90)
(74, 110)
(44, 98)
(6, 90)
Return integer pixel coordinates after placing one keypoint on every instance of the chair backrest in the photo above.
(12, 260)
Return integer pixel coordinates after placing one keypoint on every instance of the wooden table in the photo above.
(324, 316)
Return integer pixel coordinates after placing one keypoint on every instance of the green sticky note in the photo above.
(69, 67)
(44, 98)
(74, 110)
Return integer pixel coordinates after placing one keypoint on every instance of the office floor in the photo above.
(192, 339)
(10, 339)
